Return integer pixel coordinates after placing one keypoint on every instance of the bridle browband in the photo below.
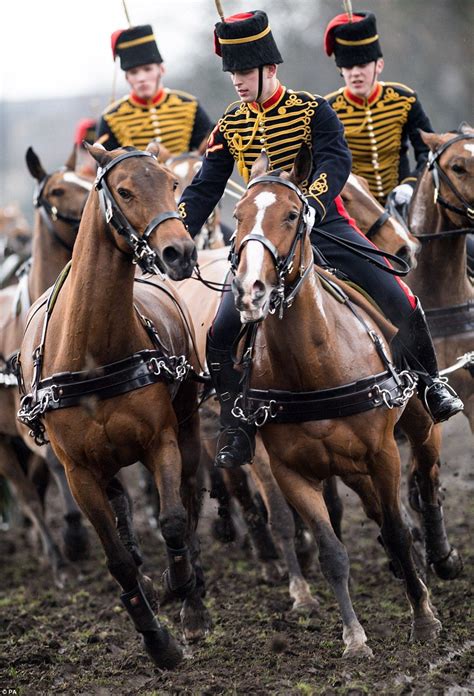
(50, 214)
(437, 173)
(282, 297)
(143, 255)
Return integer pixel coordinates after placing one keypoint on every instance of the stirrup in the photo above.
(232, 434)
(441, 381)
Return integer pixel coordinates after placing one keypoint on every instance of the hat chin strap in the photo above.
(260, 82)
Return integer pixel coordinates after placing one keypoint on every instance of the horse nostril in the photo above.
(258, 290)
(171, 255)
(237, 287)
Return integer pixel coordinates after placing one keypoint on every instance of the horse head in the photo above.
(273, 225)
(60, 198)
(138, 198)
(450, 177)
(382, 228)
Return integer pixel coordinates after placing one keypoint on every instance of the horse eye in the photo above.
(175, 185)
(292, 216)
(458, 169)
(123, 193)
(57, 192)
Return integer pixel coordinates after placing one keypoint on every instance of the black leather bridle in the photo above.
(282, 297)
(50, 214)
(143, 255)
(438, 173)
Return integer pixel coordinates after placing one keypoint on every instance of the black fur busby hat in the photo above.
(245, 41)
(353, 40)
(135, 46)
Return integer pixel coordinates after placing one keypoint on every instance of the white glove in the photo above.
(403, 193)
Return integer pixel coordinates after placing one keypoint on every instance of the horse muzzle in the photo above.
(251, 300)
(179, 259)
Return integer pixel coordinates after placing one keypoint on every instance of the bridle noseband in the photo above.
(50, 214)
(143, 255)
(282, 297)
(437, 173)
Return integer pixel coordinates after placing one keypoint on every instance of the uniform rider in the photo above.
(379, 118)
(269, 116)
(150, 111)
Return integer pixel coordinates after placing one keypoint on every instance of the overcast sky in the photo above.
(52, 48)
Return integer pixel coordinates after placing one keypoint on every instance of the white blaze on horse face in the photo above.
(73, 178)
(255, 250)
(412, 244)
(353, 181)
(181, 169)
(470, 148)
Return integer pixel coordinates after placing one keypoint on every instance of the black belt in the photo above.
(275, 406)
(447, 321)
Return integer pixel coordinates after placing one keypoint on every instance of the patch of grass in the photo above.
(305, 689)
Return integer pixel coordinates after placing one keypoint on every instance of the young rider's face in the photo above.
(246, 83)
(360, 78)
(145, 80)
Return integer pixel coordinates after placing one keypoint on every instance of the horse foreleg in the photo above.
(93, 501)
(385, 474)
(282, 526)
(308, 500)
(30, 502)
(165, 463)
(195, 618)
(425, 441)
(75, 536)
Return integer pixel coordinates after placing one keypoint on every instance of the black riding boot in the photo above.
(439, 399)
(239, 444)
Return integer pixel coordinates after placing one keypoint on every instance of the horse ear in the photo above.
(71, 161)
(433, 140)
(154, 148)
(99, 153)
(302, 166)
(260, 166)
(34, 165)
(464, 127)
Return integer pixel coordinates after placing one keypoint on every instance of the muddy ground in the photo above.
(79, 641)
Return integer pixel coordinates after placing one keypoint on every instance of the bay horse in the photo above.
(202, 302)
(117, 354)
(441, 213)
(378, 225)
(15, 243)
(322, 344)
(59, 201)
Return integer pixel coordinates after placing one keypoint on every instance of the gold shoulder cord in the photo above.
(238, 144)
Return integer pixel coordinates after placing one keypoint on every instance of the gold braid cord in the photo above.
(220, 11)
(348, 8)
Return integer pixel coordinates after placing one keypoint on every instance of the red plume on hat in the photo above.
(113, 40)
(337, 22)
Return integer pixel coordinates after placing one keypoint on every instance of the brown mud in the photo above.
(79, 641)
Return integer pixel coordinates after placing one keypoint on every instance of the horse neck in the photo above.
(98, 300)
(440, 276)
(48, 258)
(301, 337)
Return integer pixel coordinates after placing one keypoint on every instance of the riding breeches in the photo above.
(391, 294)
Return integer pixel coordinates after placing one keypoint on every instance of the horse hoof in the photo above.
(309, 607)
(449, 568)
(358, 652)
(271, 572)
(425, 629)
(196, 620)
(164, 650)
